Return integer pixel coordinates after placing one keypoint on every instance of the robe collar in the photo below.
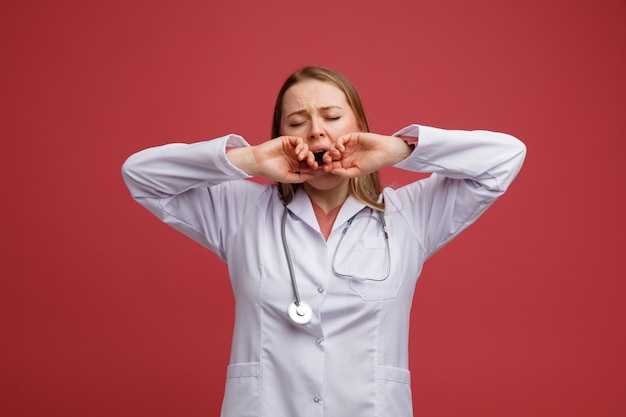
(302, 208)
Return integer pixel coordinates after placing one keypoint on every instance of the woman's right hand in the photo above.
(284, 159)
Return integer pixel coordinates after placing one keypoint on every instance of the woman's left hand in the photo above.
(361, 153)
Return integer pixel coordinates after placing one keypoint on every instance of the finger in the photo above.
(310, 160)
(302, 152)
(294, 140)
(339, 144)
(297, 177)
(299, 147)
(342, 140)
(303, 171)
(333, 153)
(334, 167)
(346, 172)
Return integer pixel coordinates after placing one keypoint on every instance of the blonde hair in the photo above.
(366, 189)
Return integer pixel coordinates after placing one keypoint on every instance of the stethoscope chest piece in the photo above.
(300, 313)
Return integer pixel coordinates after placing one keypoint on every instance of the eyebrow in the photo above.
(303, 111)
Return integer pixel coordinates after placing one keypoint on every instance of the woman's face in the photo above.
(319, 113)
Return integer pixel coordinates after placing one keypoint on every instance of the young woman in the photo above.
(324, 263)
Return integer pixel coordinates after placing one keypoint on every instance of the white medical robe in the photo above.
(352, 358)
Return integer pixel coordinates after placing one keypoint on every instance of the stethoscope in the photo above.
(300, 311)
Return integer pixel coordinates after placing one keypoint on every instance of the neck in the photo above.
(328, 200)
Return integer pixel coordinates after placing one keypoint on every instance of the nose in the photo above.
(317, 130)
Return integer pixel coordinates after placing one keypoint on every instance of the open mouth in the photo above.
(318, 157)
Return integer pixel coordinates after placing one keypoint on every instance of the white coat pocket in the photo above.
(374, 274)
(241, 397)
(394, 397)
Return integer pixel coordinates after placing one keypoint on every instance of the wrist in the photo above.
(401, 149)
(243, 158)
(411, 141)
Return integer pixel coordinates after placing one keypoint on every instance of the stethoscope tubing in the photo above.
(292, 274)
(381, 218)
(301, 312)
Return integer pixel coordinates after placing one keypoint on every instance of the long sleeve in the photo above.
(176, 167)
(470, 170)
(193, 188)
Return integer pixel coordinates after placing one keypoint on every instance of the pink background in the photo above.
(106, 312)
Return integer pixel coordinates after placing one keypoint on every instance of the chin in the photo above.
(326, 182)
